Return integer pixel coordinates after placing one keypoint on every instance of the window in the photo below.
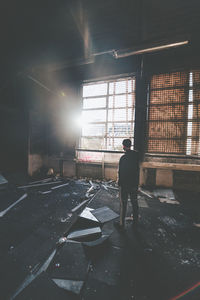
(174, 113)
(108, 114)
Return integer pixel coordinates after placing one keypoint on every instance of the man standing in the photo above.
(128, 180)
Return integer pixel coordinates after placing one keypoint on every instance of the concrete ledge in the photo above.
(170, 166)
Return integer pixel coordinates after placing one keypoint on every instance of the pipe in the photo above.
(120, 54)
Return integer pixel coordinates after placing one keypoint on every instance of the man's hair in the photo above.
(126, 143)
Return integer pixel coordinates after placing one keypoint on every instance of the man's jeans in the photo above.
(124, 192)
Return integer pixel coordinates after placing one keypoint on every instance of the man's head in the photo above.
(126, 144)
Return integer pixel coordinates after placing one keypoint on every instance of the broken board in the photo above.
(3, 182)
(104, 214)
(73, 286)
(85, 234)
(87, 214)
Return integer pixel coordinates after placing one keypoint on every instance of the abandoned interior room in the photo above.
(77, 77)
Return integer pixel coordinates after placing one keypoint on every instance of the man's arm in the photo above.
(118, 173)
(137, 167)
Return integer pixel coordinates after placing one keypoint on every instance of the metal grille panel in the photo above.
(168, 113)
(174, 113)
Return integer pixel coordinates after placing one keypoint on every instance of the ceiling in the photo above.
(49, 32)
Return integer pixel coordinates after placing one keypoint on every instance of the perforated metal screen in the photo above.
(174, 113)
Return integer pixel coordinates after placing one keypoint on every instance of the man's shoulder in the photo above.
(133, 152)
(122, 157)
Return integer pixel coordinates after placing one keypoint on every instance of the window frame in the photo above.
(110, 108)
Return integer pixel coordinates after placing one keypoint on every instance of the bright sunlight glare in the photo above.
(81, 121)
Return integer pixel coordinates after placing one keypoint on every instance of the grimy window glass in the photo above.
(108, 114)
(174, 113)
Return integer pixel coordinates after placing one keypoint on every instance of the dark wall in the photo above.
(14, 128)
(24, 117)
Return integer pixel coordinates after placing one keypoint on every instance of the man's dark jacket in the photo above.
(128, 173)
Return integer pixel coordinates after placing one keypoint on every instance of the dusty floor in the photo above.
(159, 260)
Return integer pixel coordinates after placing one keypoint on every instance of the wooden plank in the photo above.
(172, 166)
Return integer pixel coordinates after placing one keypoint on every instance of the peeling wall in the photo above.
(96, 171)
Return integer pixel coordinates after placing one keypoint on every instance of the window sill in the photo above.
(170, 166)
(178, 156)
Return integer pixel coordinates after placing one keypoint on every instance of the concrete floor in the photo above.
(159, 260)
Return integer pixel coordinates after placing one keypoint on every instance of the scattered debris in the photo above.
(94, 185)
(62, 240)
(74, 193)
(3, 212)
(105, 187)
(32, 276)
(85, 233)
(57, 265)
(145, 193)
(86, 214)
(148, 250)
(129, 218)
(104, 214)
(164, 193)
(66, 219)
(73, 262)
(143, 203)
(44, 193)
(91, 189)
(59, 186)
(173, 223)
(3, 181)
(111, 187)
(41, 181)
(50, 171)
(82, 181)
(80, 205)
(66, 194)
(97, 242)
(169, 201)
(196, 224)
(91, 183)
(69, 285)
(35, 268)
(110, 181)
(39, 184)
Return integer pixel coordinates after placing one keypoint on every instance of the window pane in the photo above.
(119, 87)
(93, 130)
(95, 90)
(121, 101)
(120, 114)
(94, 103)
(120, 129)
(94, 115)
(190, 111)
(189, 146)
(93, 143)
(122, 87)
(111, 88)
(116, 144)
(131, 85)
(189, 129)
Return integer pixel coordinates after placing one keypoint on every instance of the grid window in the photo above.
(174, 113)
(108, 114)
